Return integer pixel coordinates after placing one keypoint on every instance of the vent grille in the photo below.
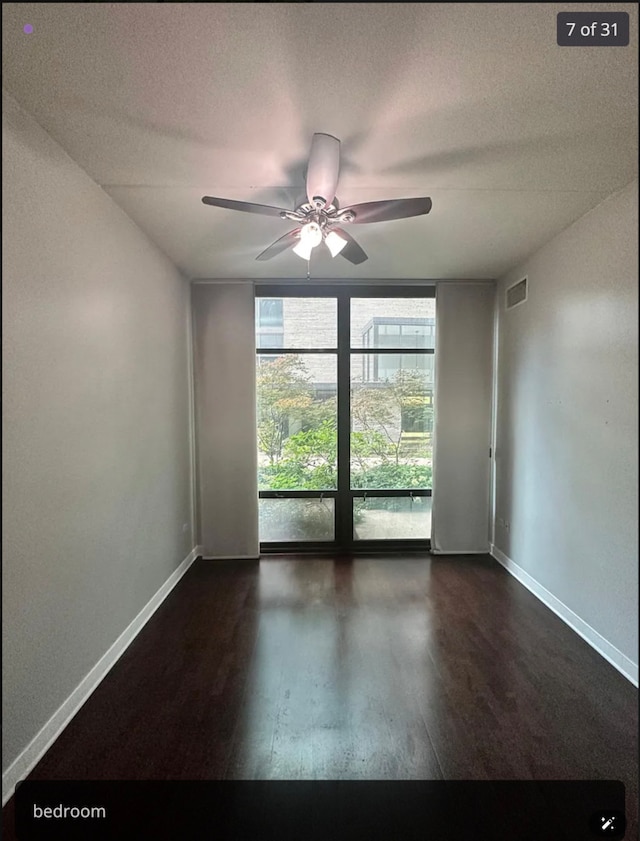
(517, 293)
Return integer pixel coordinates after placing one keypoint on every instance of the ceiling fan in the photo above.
(319, 219)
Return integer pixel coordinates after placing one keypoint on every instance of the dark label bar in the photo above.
(320, 810)
(593, 29)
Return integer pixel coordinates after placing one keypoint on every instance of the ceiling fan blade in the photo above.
(384, 211)
(246, 206)
(323, 168)
(352, 251)
(280, 245)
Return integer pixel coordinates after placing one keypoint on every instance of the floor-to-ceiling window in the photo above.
(344, 415)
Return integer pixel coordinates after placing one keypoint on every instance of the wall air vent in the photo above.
(516, 293)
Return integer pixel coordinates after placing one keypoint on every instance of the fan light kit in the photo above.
(320, 219)
(310, 236)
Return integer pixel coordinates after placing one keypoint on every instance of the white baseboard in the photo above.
(42, 741)
(618, 660)
(459, 552)
(230, 557)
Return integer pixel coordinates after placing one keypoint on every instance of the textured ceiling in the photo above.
(472, 104)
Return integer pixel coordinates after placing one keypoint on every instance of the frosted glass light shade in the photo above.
(310, 236)
(303, 249)
(335, 243)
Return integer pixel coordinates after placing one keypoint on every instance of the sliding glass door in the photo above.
(344, 416)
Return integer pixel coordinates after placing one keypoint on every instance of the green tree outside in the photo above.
(297, 435)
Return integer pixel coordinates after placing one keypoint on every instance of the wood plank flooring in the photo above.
(400, 667)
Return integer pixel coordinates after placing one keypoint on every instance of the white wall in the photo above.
(462, 428)
(96, 441)
(567, 421)
(225, 398)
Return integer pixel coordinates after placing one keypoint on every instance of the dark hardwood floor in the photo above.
(365, 668)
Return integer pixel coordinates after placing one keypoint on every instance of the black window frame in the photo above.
(344, 495)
